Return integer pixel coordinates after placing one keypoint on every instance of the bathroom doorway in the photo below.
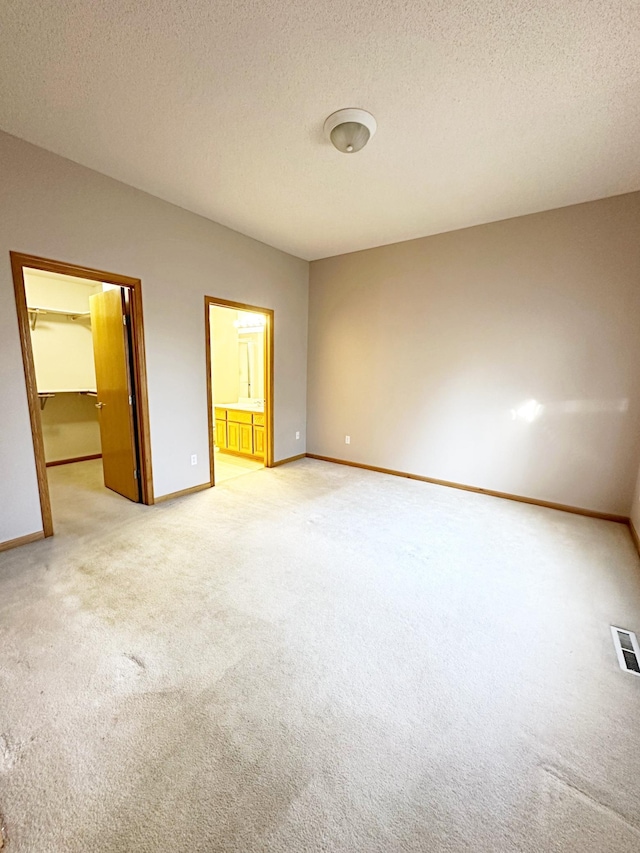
(83, 353)
(239, 342)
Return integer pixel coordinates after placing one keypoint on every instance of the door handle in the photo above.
(99, 405)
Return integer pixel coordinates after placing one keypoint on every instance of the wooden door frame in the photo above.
(210, 301)
(18, 263)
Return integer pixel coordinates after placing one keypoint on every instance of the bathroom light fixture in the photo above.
(349, 130)
(248, 322)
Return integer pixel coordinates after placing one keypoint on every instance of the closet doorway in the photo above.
(239, 346)
(83, 352)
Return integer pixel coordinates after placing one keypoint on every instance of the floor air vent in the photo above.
(627, 649)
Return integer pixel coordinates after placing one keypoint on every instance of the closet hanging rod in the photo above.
(43, 399)
(46, 395)
(72, 315)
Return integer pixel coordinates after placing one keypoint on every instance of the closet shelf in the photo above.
(46, 395)
(35, 311)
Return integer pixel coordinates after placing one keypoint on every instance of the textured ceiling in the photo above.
(486, 109)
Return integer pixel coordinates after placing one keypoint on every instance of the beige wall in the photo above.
(635, 506)
(70, 427)
(421, 350)
(62, 346)
(52, 207)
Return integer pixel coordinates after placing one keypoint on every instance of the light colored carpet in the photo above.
(316, 658)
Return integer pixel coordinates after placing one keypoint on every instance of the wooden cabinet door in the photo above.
(221, 434)
(233, 436)
(258, 440)
(246, 438)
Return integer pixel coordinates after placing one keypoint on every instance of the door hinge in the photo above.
(131, 399)
(135, 475)
(124, 319)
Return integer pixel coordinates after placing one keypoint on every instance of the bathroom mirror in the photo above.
(251, 365)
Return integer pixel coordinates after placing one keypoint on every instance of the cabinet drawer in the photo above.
(239, 417)
(258, 419)
(221, 414)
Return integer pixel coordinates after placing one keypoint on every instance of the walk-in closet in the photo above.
(81, 348)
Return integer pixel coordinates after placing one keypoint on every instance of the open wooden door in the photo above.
(115, 393)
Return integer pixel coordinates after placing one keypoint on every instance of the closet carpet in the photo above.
(317, 658)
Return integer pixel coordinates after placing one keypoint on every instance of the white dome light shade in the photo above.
(350, 130)
(350, 137)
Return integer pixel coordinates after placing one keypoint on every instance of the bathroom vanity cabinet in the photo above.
(240, 431)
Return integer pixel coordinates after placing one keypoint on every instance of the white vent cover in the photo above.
(627, 649)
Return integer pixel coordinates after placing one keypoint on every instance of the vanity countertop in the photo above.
(242, 407)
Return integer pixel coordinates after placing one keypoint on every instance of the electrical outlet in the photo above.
(347, 439)
(297, 436)
(194, 458)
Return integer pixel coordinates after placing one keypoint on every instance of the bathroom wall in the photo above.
(224, 354)
(226, 372)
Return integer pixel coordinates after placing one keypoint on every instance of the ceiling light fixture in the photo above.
(249, 320)
(349, 130)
